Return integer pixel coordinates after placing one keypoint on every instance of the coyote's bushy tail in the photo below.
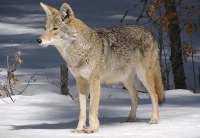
(158, 83)
(159, 86)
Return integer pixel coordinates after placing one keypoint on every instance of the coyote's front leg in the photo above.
(82, 88)
(94, 105)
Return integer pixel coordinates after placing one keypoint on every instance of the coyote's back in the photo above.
(104, 55)
(126, 49)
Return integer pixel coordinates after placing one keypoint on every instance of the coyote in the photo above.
(96, 56)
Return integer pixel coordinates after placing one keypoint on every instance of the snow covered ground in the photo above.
(41, 112)
(46, 114)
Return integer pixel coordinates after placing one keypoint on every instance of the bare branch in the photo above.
(127, 11)
(141, 14)
(4, 101)
(125, 14)
(29, 81)
(52, 82)
(57, 85)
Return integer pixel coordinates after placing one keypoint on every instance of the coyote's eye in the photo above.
(55, 28)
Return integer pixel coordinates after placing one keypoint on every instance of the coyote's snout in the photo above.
(112, 55)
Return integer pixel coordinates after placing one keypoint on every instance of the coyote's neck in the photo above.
(74, 51)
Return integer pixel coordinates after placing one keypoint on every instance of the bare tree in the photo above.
(175, 44)
(169, 18)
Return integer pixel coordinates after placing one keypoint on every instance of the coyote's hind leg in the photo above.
(129, 84)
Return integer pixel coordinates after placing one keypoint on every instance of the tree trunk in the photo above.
(175, 45)
(63, 79)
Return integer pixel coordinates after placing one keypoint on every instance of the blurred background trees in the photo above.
(172, 20)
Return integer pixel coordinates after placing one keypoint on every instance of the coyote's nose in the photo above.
(39, 41)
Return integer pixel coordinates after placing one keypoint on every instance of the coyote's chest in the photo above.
(85, 72)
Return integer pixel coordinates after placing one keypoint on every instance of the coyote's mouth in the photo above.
(42, 43)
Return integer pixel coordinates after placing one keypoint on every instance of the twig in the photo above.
(52, 82)
(127, 11)
(125, 14)
(199, 77)
(142, 91)
(9, 95)
(4, 101)
(193, 68)
(70, 93)
(141, 14)
(10, 83)
(29, 81)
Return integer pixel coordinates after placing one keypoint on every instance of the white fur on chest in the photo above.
(73, 57)
(85, 72)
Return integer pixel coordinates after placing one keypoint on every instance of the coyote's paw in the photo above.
(153, 121)
(78, 130)
(90, 130)
(130, 119)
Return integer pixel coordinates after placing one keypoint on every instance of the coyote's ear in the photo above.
(49, 10)
(66, 12)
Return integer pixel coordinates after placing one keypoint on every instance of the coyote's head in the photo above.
(59, 26)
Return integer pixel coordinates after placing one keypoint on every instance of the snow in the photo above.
(41, 112)
(46, 114)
